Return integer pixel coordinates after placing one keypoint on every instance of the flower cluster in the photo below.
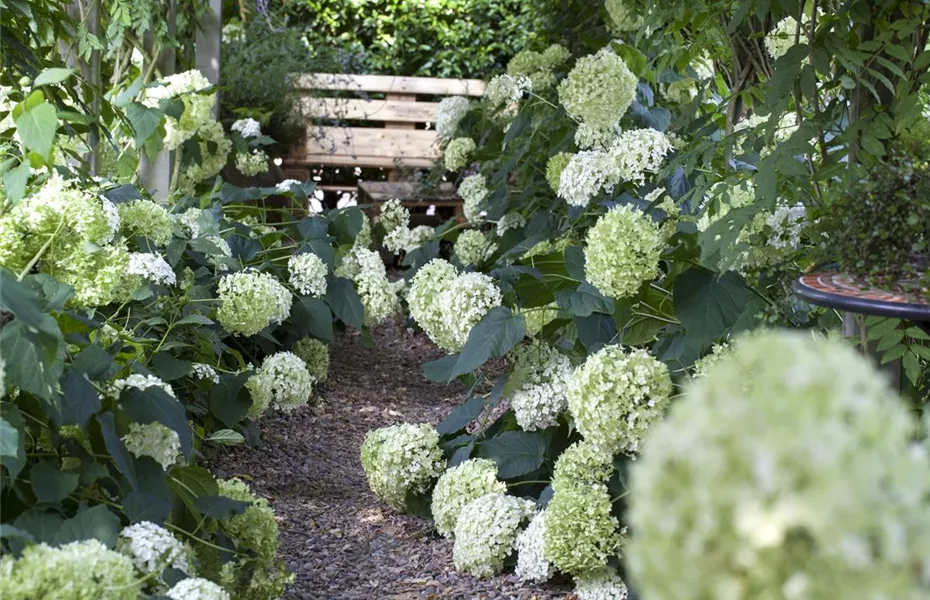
(486, 532)
(622, 252)
(214, 149)
(198, 107)
(196, 588)
(532, 564)
(581, 532)
(247, 128)
(616, 396)
(286, 186)
(141, 382)
(581, 464)
(190, 221)
(460, 485)
(394, 215)
(308, 274)
(504, 90)
(458, 153)
(155, 440)
(554, 168)
(146, 219)
(250, 301)
(789, 471)
(588, 137)
(252, 163)
(539, 67)
(719, 353)
(448, 115)
(782, 37)
(512, 220)
(447, 305)
(78, 222)
(474, 192)
(584, 176)
(539, 376)
(315, 355)
(151, 267)
(602, 585)
(638, 152)
(282, 381)
(85, 569)
(378, 295)
(599, 89)
(152, 548)
(786, 224)
(473, 248)
(204, 371)
(400, 459)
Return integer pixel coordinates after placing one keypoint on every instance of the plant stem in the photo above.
(42, 250)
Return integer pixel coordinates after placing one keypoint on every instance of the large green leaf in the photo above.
(494, 335)
(10, 440)
(220, 507)
(96, 522)
(16, 460)
(15, 181)
(230, 400)
(143, 506)
(596, 331)
(144, 121)
(42, 525)
(463, 414)
(79, 400)
(36, 127)
(515, 452)
(312, 315)
(708, 305)
(344, 301)
(153, 404)
(116, 448)
(95, 362)
(50, 484)
(52, 76)
(190, 483)
(584, 301)
(346, 224)
(34, 359)
(170, 368)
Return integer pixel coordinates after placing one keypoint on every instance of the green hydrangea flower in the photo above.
(788, 471)
(486, 531)
(581, 464)
(460, 485)
(539, 67)
(401, 458)
(474, 193)
(554, 168)
(616, 396)
(622, 252)
(146, 219)
(473, 248)
(599, 89)
(703, 366)
(458, 153)
(250, 301)
(581, 532)
(282, 381)
(315, 355)
(76, 571)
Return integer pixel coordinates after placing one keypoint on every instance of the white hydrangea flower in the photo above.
(788, 471)
(616, 396)
(458, 153)
(308, 274)
(252, 163)
(247, 128)
(599, 89)
(151, 267)
(540, 376)
(152, 548)
(198, 107)
(378, 295)
(141, 382)
(154, 440)
(282, 381)
(505, 89)
(189, 220)
(197, 588)
(400, 459)
(486, 531)
(622, 252)
(448, 115)
(460, 485)
(111, 211)
(782, 37)
(474, 192)
(204, 371)
(585, 175)
(473, 248)
(512, 220)
(447, 305)
(286, 185)
(532, 564)
(639, 152)
(603, 585)
(395, 218)
(581, 534)
(719, 353)
(250, 301)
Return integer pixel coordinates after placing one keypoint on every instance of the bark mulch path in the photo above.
(336, 537)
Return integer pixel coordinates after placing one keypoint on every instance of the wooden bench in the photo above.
(388, 132)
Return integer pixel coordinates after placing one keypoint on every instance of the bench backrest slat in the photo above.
(389, 83)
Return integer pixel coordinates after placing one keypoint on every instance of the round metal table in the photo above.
(846, 292)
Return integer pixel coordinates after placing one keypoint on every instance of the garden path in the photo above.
(336, 537)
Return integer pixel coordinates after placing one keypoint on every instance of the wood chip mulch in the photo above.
(336, 537)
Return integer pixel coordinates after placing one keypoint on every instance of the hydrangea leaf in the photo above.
(584, 301)
(463, 414)
(312, 316)
(52, 76)
(96, 522)
(38, 356)
(220, 507)
(143, 506)
(10, 442)
(144, 121)
(495, 335)
(596, 331)
(36, 127)
(190, 483)
(79, 399)
(170, 368)
(313, 228)
(42, 525)
(123, 193)
(344, 301)
(515, 452)
(230, 400)
(50, 484)
(95, 362)
(15, 181)
(708, 305)
(226, 437)
(116, 448)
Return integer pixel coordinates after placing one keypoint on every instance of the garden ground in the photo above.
(339, 540)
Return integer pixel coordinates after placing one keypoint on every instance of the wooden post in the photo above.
(156, 172)
(394, 174)
(90, 70)
(208, 46)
